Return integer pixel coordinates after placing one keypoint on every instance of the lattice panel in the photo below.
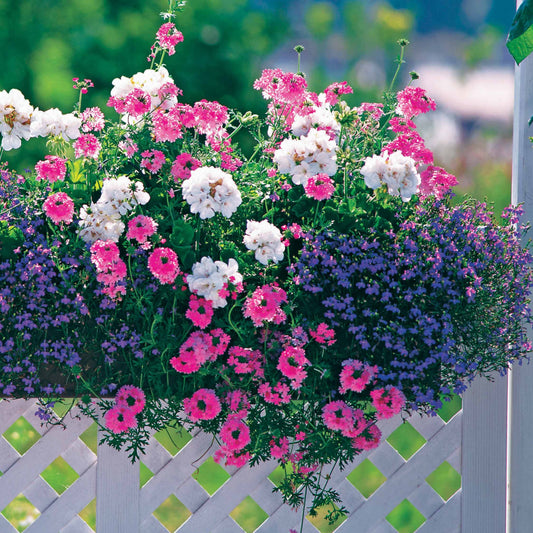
(27, 476)
(182, 489)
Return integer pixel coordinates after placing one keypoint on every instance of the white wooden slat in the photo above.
(384, 527)
(191, 494)
(407, 478)
(40, 494)
(520, 477)
(8, 455)
(36, 459)
(79, 456)
(484, 460)
(426, 500)
(447, 519)
(264, 494)
(426, 425)
(117, 489)
(77, 525)
(153, 525)
(386, 459)
(5, 525)
(12, 410)
(65, 508)
(227, 525)
(156, 456)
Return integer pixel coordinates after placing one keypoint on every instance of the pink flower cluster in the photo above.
(435, 180)
(355, 375)
(163, 264)
(199, 348)
(291, 364)
(246, 361)
(265, 305)
(53, 168)
(323, 334)
(236, 436)
(276, 395)
(59, 207)
(388, 402)
(128, 147)
(105, 256)
(202, 405)
(183, 165)
(136, 103)
(87, 145)
(140, 228)
(319, 187)
(335, 90)
(200, 311)
(413, 101)
(279, 448)
(168, 37)
(92, 119)
(153, 160)
(129, 401)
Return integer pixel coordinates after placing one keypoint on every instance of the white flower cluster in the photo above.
(320, 118)
(149, 81)
(53, 122)
(209, 277)
(265, 239)
(101, 221)
(210, 190)
(396, 171)
(19, 120)
(307, 156)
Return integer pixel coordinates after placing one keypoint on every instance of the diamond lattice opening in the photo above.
(450, 408)
(278, 475)
(90, 437)
(321, 521)
(172, 513)
(405, 518)
(173, 439)
(88, 515)
(145, 474)
(211, 476)
(366, 478)
(406, 440)
(21, 512)
(445, 481)
(248, 515)
(59, 475)
(21, 435)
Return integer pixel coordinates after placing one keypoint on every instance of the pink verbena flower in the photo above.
(132, 397)
(323, 334)
(279, 449)
(53, 168)
(235, 433)
(413, 101)
(388, 402)
(153, 160)
(246, 361)
(291, 364)
(277, 395)
(140, 228)
(319, 187)
(412, 145)
(120, 419)
(104, 253)
(59, 207)
(202, 405)
(335, 90)
(337, 415)
(232, 458)
(210, 117)
(369, 439)
(183, 165)
(264, 305)
(220, 341)
(92, 119)
(436, 181)
(197, 349)
(137, 102)
(200, 311)
(87, 145)
(355, 375)
(168, 37)
(128, 147)
(163, 264)
(375, 109)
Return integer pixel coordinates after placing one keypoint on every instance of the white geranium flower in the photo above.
(209, 277)
(15, 118)
(96, 224)
(53, 122)
(265, 239)
(120, 195)
(320, 118)
(396, 171)
(307, 156)
(210, 190)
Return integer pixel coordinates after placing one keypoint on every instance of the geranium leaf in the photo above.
(520, 39)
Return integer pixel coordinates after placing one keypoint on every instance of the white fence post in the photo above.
(484, 457)
(520, 511)
(117, 492)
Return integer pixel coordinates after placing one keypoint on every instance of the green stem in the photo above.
(400, 63)
(303, 511)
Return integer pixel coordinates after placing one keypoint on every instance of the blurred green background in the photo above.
(46, 43)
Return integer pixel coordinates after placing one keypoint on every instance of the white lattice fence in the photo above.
(176, 491)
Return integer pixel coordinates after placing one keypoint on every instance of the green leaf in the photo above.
(10, 238)
(520, 39)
